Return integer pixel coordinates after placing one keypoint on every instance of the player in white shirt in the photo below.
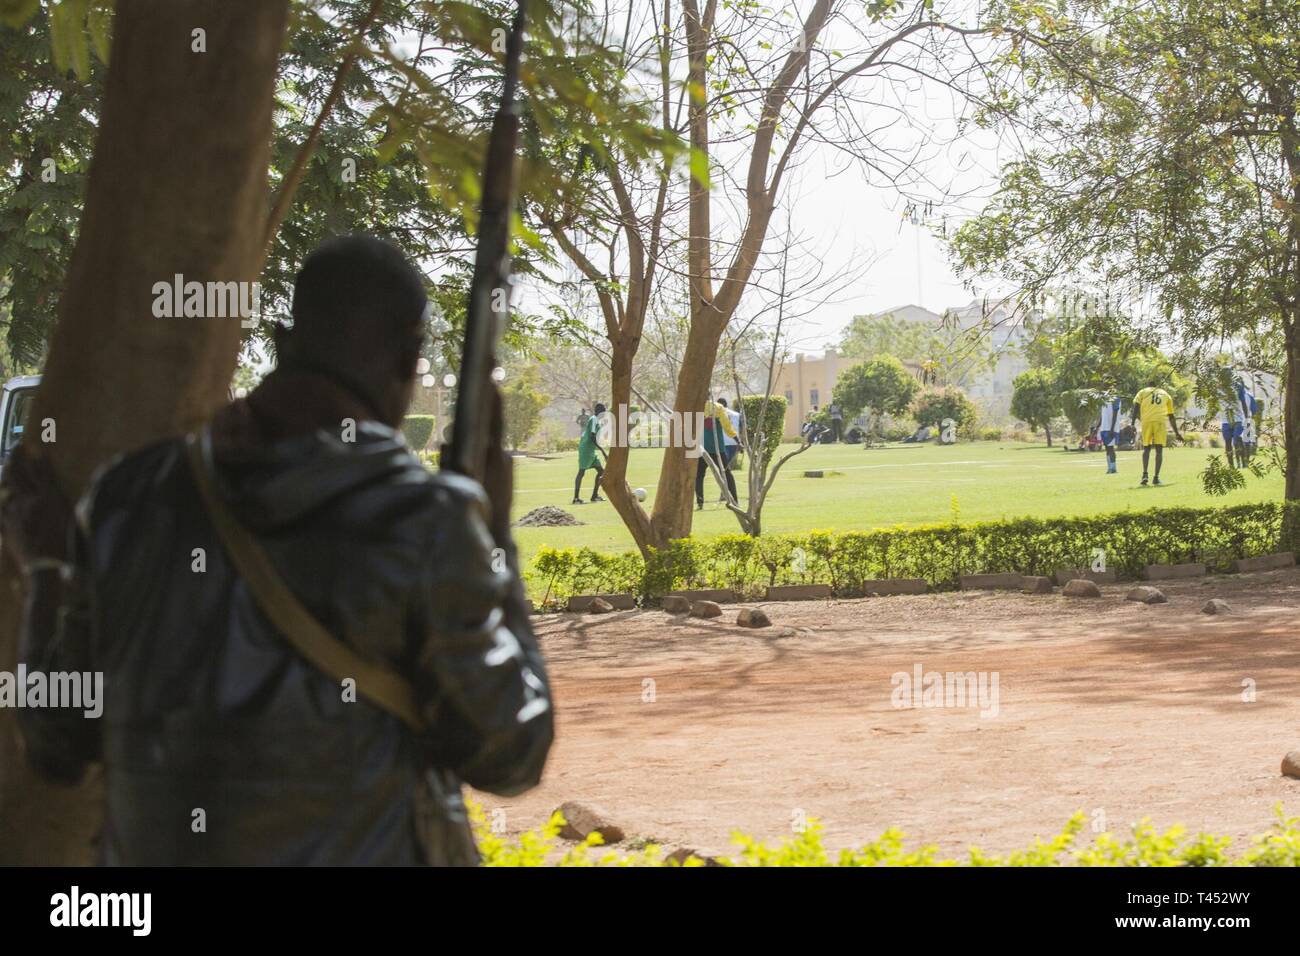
(1108, 431)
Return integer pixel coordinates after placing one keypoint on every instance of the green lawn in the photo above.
(896, 484)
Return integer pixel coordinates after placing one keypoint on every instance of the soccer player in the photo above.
(1108, 431)
(716, 424)
(1247, 408)
(1230, 420)
(588, 445)
(1155, 408)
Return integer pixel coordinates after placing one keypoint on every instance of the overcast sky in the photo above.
(858, 227)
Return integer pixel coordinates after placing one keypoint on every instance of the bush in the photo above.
(934, 405)
(417, 429)
(772, 430)
(990, 434)
(566, 444)
(1144, 847)
(938, 553)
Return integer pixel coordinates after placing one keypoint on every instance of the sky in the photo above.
(858, 226)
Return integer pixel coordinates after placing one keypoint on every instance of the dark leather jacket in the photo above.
(220, 744)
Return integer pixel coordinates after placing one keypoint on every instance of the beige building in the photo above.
(806, 383)
(808, 380)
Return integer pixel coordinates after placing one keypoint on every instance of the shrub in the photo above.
(990, 434)
(417, 429)
(1144, 847)
(939, 553)
(772, 429)
(934, 405)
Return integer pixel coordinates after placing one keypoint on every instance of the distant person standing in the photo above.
(730, 441)
(716, 425)
(837, 422)
(1249, 409)
(1154, 407)
(588, 446)
(1108, 431)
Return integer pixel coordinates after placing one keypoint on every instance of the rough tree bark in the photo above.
(711, 312)
(178, 185)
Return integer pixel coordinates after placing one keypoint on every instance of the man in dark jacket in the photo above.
(220, 743)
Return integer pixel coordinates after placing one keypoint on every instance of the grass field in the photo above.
(891, 485)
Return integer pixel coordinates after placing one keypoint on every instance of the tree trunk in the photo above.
(675, 493)
(178, 185)
(1291, 407)
(1048, 429)
(615, 481)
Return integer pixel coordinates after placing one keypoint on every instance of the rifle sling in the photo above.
(382, 687)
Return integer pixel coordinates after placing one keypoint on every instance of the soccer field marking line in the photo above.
(1018, 466)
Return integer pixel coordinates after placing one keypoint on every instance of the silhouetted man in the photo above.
(221, 743)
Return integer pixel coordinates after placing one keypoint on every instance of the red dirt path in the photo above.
(1105, 706)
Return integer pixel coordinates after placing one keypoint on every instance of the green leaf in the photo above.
(700, 167)
(14, 13)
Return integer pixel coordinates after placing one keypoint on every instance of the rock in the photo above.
(681, 854)
(706, 609)
(599, 606)
(582, 819)
(619, 602)
(1216, 606)
(1291, 764)
(1080, 587)
(1037, 585)
(676, 604)
(1146, 594)
(752, 617)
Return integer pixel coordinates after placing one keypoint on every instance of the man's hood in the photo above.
(278, 483)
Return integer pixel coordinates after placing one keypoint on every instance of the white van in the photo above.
(15, 404)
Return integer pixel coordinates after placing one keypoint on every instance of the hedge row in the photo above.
(1128, 542)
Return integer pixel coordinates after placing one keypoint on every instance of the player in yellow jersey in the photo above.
(1155, 407)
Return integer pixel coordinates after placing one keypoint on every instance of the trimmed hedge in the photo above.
(417, 429)
(939, 553)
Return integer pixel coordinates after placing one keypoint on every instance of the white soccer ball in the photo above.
(640, 494)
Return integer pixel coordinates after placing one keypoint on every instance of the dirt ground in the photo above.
(685, 729)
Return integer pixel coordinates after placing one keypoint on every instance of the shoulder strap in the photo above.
(382, 687)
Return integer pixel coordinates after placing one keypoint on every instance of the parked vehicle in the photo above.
(15, 404)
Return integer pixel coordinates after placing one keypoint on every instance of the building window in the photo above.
(813, 397)
(789, 396)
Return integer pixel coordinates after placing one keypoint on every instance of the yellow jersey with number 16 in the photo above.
(1154, 404)
(1154, 408)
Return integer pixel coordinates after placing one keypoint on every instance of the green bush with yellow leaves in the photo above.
(1144, 846)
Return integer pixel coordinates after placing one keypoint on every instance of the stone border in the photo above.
(798, 592)
(992, 582)
(717, 595)
(1066, 575)
(1174, 572)
(885, 587)
(1265, 562)
(620, 602)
